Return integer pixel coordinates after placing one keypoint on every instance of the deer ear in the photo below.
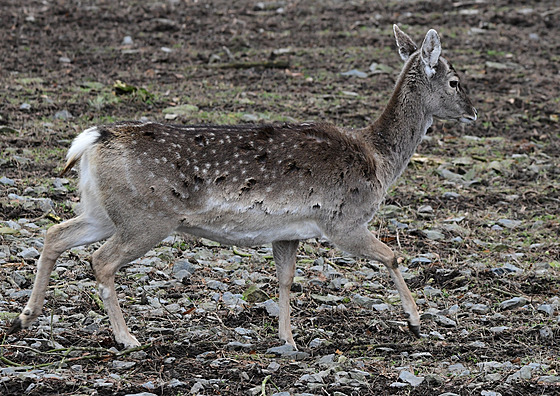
(406, 46)
(431, 50)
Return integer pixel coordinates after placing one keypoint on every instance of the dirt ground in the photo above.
(475, 216)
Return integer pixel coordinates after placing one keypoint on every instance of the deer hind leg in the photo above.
(284, 253)
(361, 242)
(120, 249)
(81, 230)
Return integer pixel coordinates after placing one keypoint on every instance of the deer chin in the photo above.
(467, 119)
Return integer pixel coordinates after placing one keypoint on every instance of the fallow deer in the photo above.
(250, 185)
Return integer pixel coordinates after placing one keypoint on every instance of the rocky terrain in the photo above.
(475, 216)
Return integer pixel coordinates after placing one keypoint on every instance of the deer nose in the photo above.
(469, 117)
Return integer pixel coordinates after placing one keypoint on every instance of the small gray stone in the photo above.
(513, 303)
(450, 195)
(458, 369)
(63, 115)
(326, 361)
(509, 223)
(354, 73)
(127, 40)
(490, 393)
(546, 308)
(281, 394)
(498, 329)
(271, 307)
(149, 385)
(434, 235)
(183, 269)
(546, 332)
(381, 307)
(141, 394)
(444, 321)
(426, 209)
(287, 350)
(29, 253)
(174, 383)
(238, 346)
(430, 291)
(364, 301)
(217, 285)
(197, 388)
(19, 278)
(273, 366)
(25, 106)
(549, 379)
(139, 355)
(120, 365)
(316, 342)
(526, 372)
(242, 331)
(480, 309)
(413, 380)
(420, 260)
(7, 181)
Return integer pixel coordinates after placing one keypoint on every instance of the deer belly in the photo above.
(250, 233)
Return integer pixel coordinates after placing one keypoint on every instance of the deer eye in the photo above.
(453, 83)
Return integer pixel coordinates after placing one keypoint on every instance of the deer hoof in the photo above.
(15, 327)
(414, 329)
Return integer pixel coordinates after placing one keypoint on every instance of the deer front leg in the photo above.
(284, 253)
(361, 242)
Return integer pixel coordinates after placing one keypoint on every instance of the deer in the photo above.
(250, 185)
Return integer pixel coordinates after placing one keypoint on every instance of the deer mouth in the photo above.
(468, 118)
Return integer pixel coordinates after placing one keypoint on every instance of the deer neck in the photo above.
(396, 134)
